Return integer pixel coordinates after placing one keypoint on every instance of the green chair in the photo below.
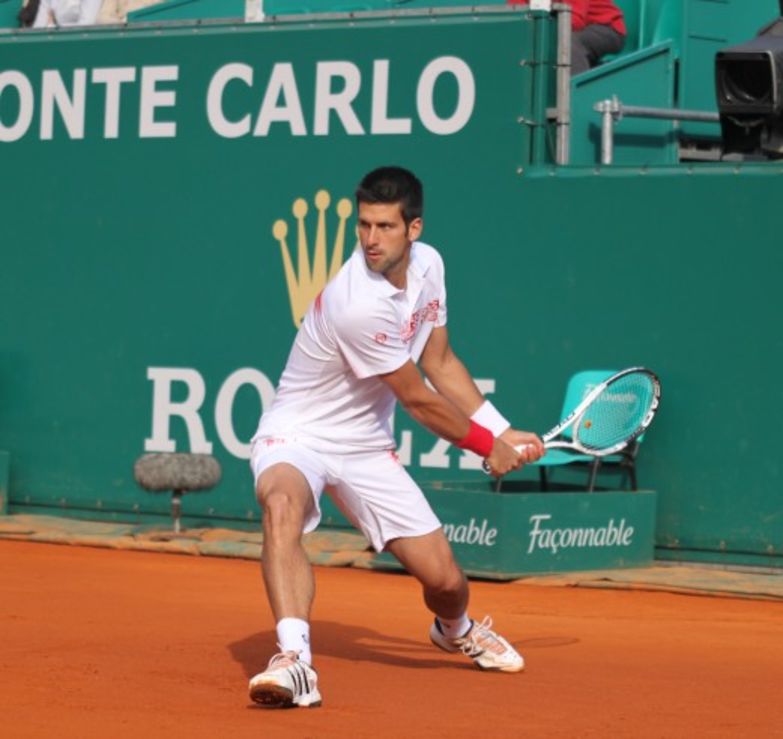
(623, 463)
(665, 24)
(650, 22)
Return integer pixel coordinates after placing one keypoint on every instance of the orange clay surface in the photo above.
(102, 643)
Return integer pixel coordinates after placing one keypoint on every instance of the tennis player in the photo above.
(330, 424)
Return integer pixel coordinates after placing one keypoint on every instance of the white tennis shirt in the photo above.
(360, 326)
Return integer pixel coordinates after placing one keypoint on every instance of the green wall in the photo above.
(130, 250)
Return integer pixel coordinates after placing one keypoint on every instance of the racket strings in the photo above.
(617, 414)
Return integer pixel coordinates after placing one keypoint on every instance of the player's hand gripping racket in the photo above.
(609, 417)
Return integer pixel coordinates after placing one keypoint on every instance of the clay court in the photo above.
(101, 643)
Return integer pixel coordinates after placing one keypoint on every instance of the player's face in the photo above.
(386, 240)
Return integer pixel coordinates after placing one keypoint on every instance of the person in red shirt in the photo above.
(598, 29)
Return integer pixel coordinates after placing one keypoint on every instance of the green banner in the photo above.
(176, 197)
(506, 536)
(181, 198)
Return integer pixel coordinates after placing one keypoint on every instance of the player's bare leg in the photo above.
(430, 560)
(289, 680)
(286, 499)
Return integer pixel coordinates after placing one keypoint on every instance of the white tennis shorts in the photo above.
(372, 489)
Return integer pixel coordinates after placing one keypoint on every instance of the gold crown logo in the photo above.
(303, 283)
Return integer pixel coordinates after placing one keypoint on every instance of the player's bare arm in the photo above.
(450, 378)
(448, 374)
(438, 414)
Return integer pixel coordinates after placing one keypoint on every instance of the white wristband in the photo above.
(489, 417)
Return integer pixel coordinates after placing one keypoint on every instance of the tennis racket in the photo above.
(609, 417)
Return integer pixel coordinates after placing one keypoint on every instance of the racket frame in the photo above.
(575, 417)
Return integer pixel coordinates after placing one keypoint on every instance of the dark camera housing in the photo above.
(749, 86)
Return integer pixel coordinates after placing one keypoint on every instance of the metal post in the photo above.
(562, 153)
(607, 135)
(666, 114)
(176, 509)
(613, 110)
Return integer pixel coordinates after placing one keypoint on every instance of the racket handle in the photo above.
(518, 449)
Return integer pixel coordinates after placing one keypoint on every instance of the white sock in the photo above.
(454, 628)
(293, 635)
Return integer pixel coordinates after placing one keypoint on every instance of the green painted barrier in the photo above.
(5, 464)
(179, 10)
(643, 78)
(290, 7)
(160, 182)
(507, 536)
(9, 12)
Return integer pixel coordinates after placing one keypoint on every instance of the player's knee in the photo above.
(450, 582)
(283, 511)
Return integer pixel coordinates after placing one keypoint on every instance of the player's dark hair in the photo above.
(393, 185)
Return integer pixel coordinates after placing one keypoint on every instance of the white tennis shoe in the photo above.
(487, 649)
(287, 682)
